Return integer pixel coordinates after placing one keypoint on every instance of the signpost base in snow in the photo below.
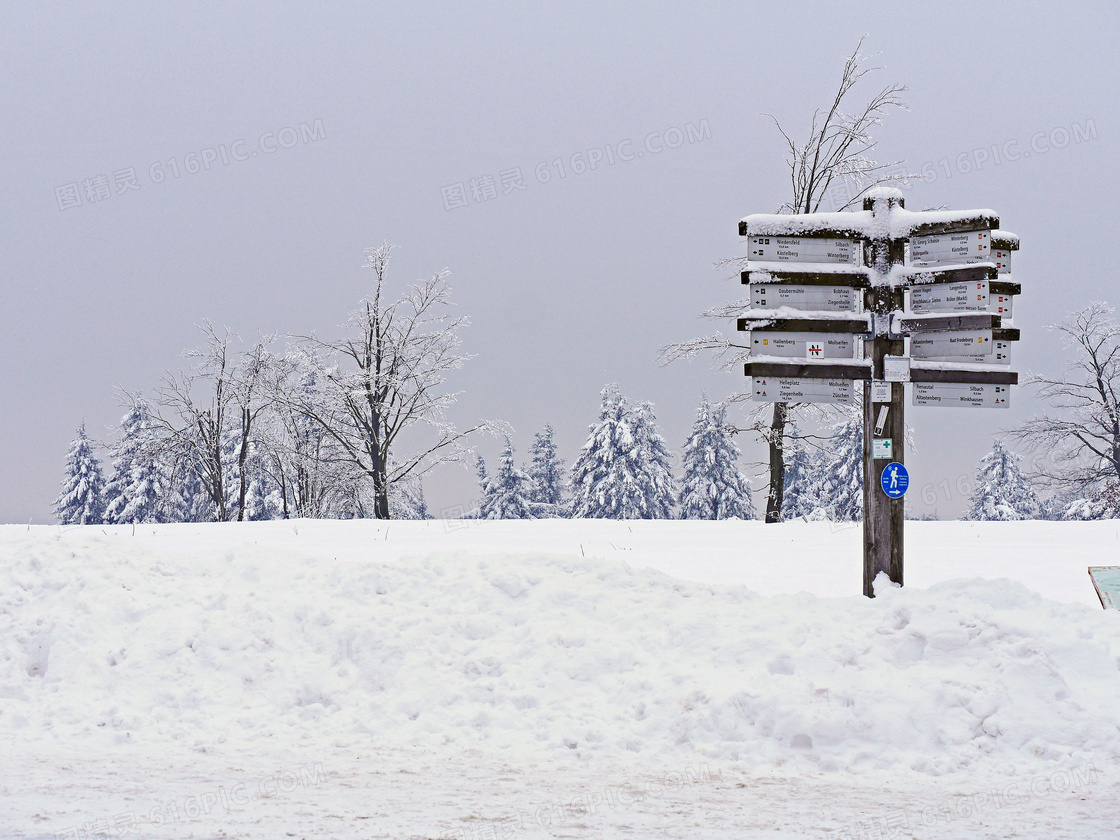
(883, 517)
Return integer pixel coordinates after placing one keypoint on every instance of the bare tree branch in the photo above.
(1082, 441)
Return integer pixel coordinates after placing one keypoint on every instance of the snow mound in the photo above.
(106, 641)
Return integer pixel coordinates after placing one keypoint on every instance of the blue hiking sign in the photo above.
(895, 480)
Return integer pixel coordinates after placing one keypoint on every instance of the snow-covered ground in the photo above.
(555, 679)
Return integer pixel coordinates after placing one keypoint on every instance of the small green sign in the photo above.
(882, 448)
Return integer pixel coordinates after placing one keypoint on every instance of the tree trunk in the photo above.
(777, 463)
(380, 489)
(242, 458)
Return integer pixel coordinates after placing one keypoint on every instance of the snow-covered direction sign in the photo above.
(895, 480)
(783, 389)
(1000, 305)
(1000, 355)
(802, 249)
(960, 395)
(1002, 258)
(808, 298)
(951, 343)
(950, 297)
(803, 345)
(951, 248)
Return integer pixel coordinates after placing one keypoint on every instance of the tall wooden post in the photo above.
(883, 517)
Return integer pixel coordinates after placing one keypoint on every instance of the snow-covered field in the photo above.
(555, 679)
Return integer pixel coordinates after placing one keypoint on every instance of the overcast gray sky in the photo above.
(570, 283)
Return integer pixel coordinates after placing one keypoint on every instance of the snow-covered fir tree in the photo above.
(799, 498)
(654, 465)
(82, 500)
(713, 487)
(262, 496)
(1002, 492)
(231, 471)
(509, 492)
(195, 504)
(838, 478)
(485, 489)
(137, 489)
(546, 475)
(622, 471)
(1103, 504)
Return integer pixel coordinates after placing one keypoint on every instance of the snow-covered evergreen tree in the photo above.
(654, 464)
(799, 498)
(509, 490)
(546, 475)
(137, 490)
(231, 471)
(82, 500)
(839, 474)
(1103, 504)
(1002, 491)
(485, 489)
(622, 471)
(713, 487)
(262, 496)
(197, 504)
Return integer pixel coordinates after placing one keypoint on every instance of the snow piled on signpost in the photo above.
(168, 642)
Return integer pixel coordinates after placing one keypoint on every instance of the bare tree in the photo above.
(193, 434)
(300, 456)
(836, 152)
(840, 144)
(387, 378)
(1082, 437)
(216, 401)
(252, 398)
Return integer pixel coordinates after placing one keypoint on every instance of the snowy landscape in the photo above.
(505, 422)
(555, 679)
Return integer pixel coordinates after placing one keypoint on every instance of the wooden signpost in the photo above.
(880, 297)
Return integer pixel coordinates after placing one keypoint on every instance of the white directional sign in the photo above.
(1000, 305)
(803, 345)
(959, 395)
(1000, 355)
(896, 368)
(951, 248)
(951, 343)
(1002, 258)
(802, 249)
(949, 297)
(809, 298)
(784, 389)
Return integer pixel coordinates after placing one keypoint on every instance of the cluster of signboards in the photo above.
(810, 310)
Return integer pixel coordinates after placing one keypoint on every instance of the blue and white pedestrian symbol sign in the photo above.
(895, 480)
